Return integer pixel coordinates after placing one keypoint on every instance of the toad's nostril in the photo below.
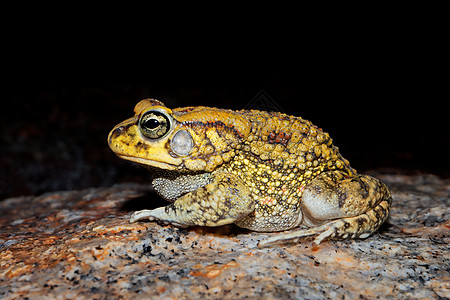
(115, 133)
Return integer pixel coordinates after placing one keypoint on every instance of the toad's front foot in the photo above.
(152, 215)
(142, 214)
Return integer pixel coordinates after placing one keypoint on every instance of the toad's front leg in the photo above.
(223, 201)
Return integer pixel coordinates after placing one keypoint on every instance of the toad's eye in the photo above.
(154, 124)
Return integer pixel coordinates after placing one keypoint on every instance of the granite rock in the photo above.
(80, 245)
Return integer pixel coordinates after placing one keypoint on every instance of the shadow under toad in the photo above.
(149, 200)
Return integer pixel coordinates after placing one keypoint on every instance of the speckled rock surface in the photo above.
(79, 244)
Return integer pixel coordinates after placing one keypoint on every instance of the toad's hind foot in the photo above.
(328, 230)
(292, 236)
(361, 226)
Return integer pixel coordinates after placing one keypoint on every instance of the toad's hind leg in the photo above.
(335, 206)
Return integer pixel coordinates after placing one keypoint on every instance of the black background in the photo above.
(383, 99)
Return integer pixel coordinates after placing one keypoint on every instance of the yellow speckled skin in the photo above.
(265, 171)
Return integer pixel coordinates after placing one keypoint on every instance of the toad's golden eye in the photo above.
(154, 124)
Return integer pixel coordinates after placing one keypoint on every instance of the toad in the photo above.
(264, 171)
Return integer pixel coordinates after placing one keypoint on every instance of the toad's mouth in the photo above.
(149, 162)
